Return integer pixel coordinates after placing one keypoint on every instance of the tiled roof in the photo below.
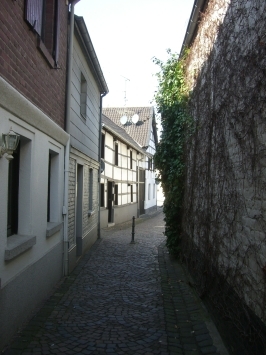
(114, 128)
(140, 131)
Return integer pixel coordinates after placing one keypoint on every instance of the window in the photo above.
(149, 163)
(43, 17)
(116, 154)
(131, 193)
(116, 195)
(19, 190)
(149, 191)
(83, 96)
(103, 146)
(131, 159)
(13, 189)
(154, 190)
(52, 191)
(102, 195)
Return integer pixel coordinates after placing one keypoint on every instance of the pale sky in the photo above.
(126, 35)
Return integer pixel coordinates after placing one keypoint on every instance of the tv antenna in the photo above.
(125, 97)
(125, 119)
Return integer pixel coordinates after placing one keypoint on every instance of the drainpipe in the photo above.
(138, 161)
(67, 148)
(99, 172)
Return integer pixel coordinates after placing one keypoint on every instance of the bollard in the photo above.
(133, 230)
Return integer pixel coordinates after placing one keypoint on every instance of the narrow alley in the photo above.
(123, 298)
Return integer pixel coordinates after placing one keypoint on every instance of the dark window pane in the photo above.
(13, 188)
(57, 31)
(33, 14)
(130, 159)
(103, 146)
(49, 188)
(116, 195)
(116, 154)
(102, 195)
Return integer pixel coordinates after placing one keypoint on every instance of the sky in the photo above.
(127, 35)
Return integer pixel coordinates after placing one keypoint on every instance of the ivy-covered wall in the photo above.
(224, 204)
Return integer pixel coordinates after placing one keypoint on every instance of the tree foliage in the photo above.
(172, 103)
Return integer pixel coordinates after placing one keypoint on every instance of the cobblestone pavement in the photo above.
(123, 298)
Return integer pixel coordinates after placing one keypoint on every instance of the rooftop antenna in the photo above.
(125, 119)
(125, 97)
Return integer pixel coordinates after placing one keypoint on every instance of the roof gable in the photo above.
(140, 131)
(121, 133)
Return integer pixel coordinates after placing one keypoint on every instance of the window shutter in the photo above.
(57, 32)
(33, 14)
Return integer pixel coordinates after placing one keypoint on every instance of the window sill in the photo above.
(45, 53)
(52, 228)
(91, 213)
(18, 244)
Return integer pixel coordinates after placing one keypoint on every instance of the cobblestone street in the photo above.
(123, 298)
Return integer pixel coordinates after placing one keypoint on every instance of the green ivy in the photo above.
(172, 103)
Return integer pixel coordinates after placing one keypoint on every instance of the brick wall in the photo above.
(24, 66)
(71, 202)
(89, 223)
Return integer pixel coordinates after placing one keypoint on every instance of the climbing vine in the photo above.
(215, 181)
(172, 103)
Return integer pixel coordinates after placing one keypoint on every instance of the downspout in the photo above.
(67, 148)
(138, 208)
(99, 171)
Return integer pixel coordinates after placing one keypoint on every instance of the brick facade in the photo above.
(71, 202)
(88, 222)
(23, 65)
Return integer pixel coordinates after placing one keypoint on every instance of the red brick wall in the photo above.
(24, 66)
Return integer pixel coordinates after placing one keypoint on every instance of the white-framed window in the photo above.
(102, 195)
(53, 183)
(19, 187)
(116, 195)
(131, 160)
(131, 193)
(116, 154)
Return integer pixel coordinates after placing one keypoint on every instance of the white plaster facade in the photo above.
(31, 262)
(120, 190)
(144, 133)
(150, 183)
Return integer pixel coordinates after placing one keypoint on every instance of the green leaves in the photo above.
(172, 102)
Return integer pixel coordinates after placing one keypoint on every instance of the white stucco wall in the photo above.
(38, 135)
(122, 176)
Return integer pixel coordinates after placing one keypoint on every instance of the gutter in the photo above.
(99, 171)
(67, 148)
(193, 23)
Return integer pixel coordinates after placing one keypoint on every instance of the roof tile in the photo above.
(140, 131)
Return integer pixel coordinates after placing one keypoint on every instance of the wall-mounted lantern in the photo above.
(9, 144)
